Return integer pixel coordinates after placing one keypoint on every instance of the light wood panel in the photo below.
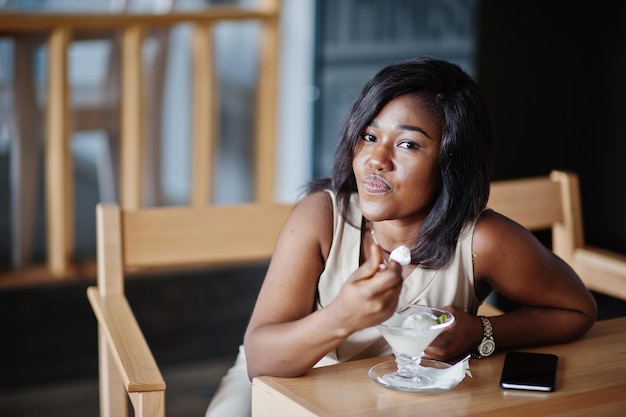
(211, 235)
(535, 203)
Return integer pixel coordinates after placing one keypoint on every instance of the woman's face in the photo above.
(396, 162)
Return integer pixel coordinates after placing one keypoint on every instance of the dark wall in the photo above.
(555, 75)
(554, 72)
(184, 317)
(356, 38)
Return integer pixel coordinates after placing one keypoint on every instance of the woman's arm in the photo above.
(285, 336)
(556, 305)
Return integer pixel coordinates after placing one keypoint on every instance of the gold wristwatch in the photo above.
(488, 345)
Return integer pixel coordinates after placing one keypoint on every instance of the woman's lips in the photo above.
(373, 184)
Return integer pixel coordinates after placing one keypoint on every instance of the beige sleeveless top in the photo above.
(453, 284)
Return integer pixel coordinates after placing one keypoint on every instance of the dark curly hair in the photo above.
(465, 157)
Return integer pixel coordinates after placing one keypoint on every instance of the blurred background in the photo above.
(552, 71)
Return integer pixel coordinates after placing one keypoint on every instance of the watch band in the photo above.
(488, 345)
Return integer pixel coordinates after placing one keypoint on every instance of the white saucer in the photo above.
(383, 374)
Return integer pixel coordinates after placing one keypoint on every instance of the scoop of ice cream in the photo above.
(419, 322)
(401, 255)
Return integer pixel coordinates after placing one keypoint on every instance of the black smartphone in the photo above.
(529, 371)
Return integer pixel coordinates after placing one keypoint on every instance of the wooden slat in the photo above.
(568, 234)
(59, 190)
(266, 107)
(154, 76)
(205, 115)
(211, 235)
(601, 270)
(113, 395)
(21, 22)
(535, 203)
(109, 249)
(148, 404)
(133, 125)
(24, 152)
(138, 369)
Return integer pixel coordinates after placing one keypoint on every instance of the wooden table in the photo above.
(591, 381)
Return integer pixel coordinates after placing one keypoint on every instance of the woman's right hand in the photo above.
(370, 295)
(285, 320)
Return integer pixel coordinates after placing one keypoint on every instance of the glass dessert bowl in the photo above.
(409, 331)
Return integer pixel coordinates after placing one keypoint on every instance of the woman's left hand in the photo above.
(457, 340)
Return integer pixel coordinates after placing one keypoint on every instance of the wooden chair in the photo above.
(162, 237)
(553, 202)
(131, 238)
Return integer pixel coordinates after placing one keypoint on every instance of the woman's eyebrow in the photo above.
(414, 129)
(411, 128)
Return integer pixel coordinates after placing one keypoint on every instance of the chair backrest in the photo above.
(166, 237)
(553, 202)
(162, 237)
(550, 202)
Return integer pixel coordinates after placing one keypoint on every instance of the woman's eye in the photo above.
(368, 137)
(408, 145)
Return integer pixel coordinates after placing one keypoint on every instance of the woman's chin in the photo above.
(373, 212)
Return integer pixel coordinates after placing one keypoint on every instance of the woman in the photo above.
(412, 168)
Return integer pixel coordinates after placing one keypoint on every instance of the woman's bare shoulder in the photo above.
(313, 216)
(493, 228)
(503, 248)
(316, 206)
(317, 200)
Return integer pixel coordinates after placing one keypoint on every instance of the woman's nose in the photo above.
(380, 158)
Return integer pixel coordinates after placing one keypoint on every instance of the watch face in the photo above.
(486, 348)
